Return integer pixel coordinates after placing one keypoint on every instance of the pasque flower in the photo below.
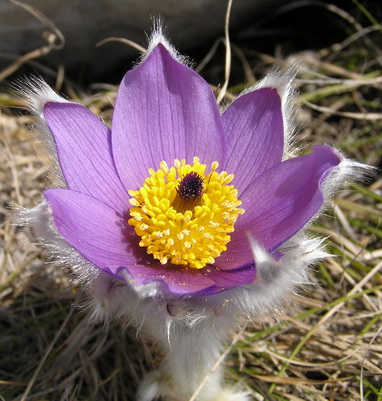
(180, 219)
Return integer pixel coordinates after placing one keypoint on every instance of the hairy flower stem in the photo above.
(190, 358)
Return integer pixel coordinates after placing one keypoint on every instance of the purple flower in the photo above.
(173, 192)
(178, 201)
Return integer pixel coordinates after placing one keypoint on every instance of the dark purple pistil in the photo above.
(191, 187)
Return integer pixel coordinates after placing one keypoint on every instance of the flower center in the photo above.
(183, 215)
(191, 187)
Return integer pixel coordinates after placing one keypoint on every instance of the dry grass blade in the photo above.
(127, 42)
(54, 38)
(218, 363)
(297, 381)
(45, 356)
(227, 64)
(357, 116)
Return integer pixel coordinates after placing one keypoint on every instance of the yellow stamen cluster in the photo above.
(178, 230)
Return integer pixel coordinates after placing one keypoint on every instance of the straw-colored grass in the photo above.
(327, 347)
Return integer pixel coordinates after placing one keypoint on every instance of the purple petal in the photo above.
(164, 111)
(103, 237)
(277, 205)
(179, 280)
(253, 126)
(94, 229)
(229, 279)
(238, 253)
(83, 148)
(183, 281)
(281, 201)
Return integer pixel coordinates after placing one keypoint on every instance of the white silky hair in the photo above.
(157, 37)
(281, 79)
(37, 93)
(191, 331)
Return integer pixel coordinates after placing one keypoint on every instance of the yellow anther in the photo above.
(184, 216)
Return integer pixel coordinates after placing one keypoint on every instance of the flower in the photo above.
(118, 210)
(184, 219)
